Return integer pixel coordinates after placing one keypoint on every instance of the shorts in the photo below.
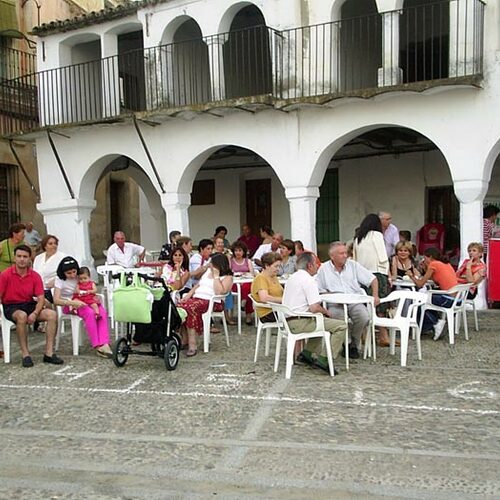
(10, 309)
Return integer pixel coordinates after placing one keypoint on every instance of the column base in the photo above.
(390, 76)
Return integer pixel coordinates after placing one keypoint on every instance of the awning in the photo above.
(9, 27)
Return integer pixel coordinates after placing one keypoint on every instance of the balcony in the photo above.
(415, 48)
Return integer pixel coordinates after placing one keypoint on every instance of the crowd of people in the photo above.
(35, 277)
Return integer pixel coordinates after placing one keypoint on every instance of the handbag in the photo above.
(132, 303)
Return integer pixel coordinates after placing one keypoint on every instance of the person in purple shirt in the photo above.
(251, 240)
(390, 232)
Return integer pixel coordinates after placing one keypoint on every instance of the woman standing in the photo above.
(369, 251)
(241, 264)
(46, 263)
(7, 247)
(96, 326)
(217, 280)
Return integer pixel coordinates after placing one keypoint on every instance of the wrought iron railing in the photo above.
(430, 42)
(15, 63)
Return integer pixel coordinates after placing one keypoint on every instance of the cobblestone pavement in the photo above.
(222, 426)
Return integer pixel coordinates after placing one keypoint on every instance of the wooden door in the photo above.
(258, 203)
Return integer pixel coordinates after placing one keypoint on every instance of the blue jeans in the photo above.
(431, 317)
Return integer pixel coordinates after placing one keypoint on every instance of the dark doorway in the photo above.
(118, 196)
(443, 207)
(131, 70)
(258, 203)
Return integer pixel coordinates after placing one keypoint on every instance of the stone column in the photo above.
(470, 194)
(69, 221)
(215, 46)
(390, 73)
(303, 214)
(110, 77)
(465, 17)
(176, 207)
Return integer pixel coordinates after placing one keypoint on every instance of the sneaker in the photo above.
(353, 352)
(27, 362)
(305, 357)
(53, 360)
(438, 328)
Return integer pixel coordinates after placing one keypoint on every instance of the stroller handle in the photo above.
(145, 277)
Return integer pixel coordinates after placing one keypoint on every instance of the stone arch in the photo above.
(154, 215)
(492, 157)
(403, 163)
(170, 30)
(232, 11)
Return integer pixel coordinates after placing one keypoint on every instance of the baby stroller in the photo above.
(161, 332)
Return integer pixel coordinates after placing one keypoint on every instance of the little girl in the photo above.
(86, 291)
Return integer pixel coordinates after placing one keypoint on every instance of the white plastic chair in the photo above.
(347, 299)
(266, 326)
(106, 271)
(404, 320)
(210, 313)
(459, 295)
(6, 327)
(472, 304)
(282, 312)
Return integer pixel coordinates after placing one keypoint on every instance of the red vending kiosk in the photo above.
(494, 270)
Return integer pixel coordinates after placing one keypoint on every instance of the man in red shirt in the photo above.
(251, 240)
(19, 284)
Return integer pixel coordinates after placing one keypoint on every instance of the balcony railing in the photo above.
(15, 63)
(440, 41)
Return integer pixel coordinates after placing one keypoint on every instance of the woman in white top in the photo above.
(46, 263)
(369, 251)
(218, 280)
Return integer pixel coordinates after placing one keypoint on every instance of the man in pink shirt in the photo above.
(390, 231)
(251, 240)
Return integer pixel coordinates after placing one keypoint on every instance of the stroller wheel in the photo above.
(171, 355)
(120, 352)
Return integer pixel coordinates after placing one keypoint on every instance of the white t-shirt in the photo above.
(124, 257)
(67, 287)
(205, 289)
(301, 291)
(47, 268)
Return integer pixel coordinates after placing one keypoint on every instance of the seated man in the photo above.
(302, 295)
(200, 262)
(123, 253)
(274, 246)
(340, 275)
(252, 241)
(18, 285)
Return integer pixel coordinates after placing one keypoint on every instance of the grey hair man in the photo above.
(343, 275)
(124, 253)
(302, 295)
(390, 232)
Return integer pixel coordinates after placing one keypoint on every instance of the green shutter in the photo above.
(9, 26)
(327, 208)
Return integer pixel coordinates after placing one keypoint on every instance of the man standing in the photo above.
(251, 240)
(490, 213)
(302, 295)
(340, 275)
(274, 246)
(32, 237)
(391, 233)
(124, 253)
(18, 285)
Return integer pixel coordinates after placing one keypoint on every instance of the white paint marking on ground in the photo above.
(235, 456)
(135, 384)
(64, 372)
(471, 391)
(248, 397)
(358, 396)
(223, 365)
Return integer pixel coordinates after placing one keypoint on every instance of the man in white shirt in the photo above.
(302, 295)
(124, 253)
(274, 246)
(391, 233)
(199, 262)
(343, 275)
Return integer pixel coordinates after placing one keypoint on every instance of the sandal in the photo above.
(191, 352)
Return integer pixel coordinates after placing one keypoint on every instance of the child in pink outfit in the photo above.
(86, 291)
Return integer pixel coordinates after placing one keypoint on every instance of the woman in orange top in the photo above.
(440, 271)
